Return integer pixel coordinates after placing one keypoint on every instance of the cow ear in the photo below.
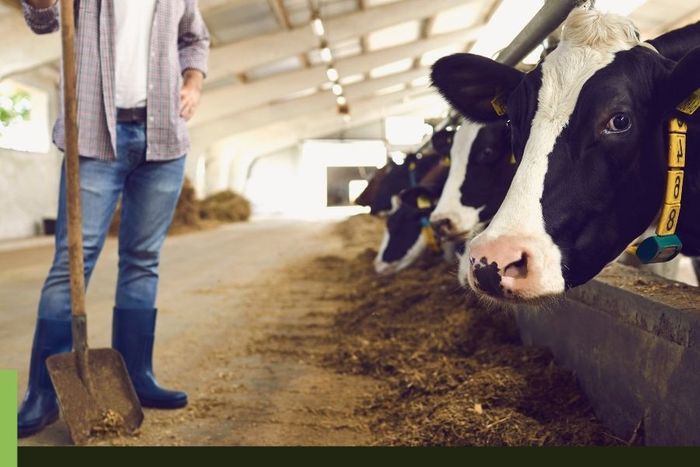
(442, 141)
(476, 86)
(681, 89)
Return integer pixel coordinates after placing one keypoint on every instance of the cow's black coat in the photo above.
(601, 190)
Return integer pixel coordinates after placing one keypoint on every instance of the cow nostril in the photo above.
(442, 226)
(517, 269)
(446, 227)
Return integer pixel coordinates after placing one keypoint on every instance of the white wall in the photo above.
(273, 184)
(29, 181)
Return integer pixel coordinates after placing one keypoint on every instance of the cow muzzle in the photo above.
(512, 268)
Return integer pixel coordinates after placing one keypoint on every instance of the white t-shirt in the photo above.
(133, 22)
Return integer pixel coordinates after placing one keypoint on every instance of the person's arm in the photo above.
(193, 46)
(41, 15)
(190, 92)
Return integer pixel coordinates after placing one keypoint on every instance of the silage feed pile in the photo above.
(192, 214)
(225, 206)
(458, 374)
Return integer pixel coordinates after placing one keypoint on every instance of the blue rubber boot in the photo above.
(40, 407)
(133, 332)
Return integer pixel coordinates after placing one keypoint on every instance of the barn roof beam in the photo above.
(271, 138)
(23, 50)
(282, 111)
(259, 50)
(230, 99)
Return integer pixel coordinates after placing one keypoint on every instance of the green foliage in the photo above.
(14, 106)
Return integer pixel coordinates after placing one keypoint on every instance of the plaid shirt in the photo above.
(179, 41)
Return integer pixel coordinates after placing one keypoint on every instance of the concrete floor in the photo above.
(190, 262)
(203, 275)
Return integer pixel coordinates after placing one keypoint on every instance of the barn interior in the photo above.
(304, 101)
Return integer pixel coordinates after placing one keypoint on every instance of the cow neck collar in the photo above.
(666, 245)
(424, 203)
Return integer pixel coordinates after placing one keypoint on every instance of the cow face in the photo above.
(368, 194)
(403, 240)
(396, 180)
(442, 141)
(587, 129)
(479, 177)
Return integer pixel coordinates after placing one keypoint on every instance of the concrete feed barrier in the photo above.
(633, 341)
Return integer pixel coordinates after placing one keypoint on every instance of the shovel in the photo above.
(94, 390)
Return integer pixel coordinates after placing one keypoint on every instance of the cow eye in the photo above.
(619, 123)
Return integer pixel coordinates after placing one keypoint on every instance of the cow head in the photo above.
(480, 173)
(368, 194)
(442, 141)
(403, 240)
(588, 132)
(398, 179)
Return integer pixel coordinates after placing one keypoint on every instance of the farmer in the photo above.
(140, 67)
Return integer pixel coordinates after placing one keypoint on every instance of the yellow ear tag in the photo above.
(423, 202)
(691, 103)
(498, 106)
(445, 161)
(512, 159)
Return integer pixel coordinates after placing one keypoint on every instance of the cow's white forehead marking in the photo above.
(589, 42)
(449, 205)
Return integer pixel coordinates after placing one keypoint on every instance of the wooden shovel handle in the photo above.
(75, 233)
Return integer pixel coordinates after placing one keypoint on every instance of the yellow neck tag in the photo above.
(671, 209)
(446, 161)
(430, 239)
(512, 159)
(677, 126)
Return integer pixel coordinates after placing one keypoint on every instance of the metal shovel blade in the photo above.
(110, 407)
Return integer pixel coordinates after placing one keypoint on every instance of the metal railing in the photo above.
(545, 21)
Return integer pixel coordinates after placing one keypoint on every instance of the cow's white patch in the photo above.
(449, 206)
(589, 42)
(413, 253)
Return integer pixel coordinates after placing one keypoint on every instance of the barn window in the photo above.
(24, 118)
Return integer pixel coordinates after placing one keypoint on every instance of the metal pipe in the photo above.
(550, 16)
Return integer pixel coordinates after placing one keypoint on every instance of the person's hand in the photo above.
(190, 93)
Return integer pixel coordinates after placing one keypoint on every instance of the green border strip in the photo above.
(8, 418)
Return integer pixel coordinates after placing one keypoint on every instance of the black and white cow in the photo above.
(399, 179)
(395, 178)
(404, 239)
(479, 173)
(589, 132)
(370, 192)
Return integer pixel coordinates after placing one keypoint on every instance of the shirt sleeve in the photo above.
(41, 20)
(193, 39)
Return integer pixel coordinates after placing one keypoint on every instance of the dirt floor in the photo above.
(282, 335)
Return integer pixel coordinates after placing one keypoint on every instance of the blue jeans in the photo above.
(149, 193)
